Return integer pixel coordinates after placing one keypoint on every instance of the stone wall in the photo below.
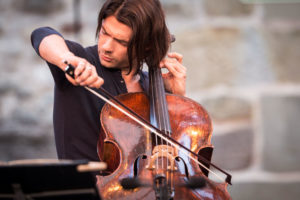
(242, 62)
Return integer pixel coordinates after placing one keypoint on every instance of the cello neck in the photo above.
(159, 115)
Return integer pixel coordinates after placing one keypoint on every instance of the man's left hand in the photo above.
(174, 80)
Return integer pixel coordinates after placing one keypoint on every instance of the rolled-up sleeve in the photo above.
(39, 34)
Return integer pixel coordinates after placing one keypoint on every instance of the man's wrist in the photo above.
(65, 57)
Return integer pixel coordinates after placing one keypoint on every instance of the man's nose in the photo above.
(108, 45)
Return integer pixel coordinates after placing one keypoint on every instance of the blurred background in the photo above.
(242, 58)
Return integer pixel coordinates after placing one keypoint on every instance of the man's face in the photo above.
(112, 43)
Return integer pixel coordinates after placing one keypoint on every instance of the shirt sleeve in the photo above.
(58, 75)
(39, 34)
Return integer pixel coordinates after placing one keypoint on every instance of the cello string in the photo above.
(169, 172)
(156, 136)
(160, 115)
(165, 123)
(160, 118)
(155, 119)
(167, 130)
(186, 152)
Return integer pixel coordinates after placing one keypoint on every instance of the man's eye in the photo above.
(103, 32)
(124, 44)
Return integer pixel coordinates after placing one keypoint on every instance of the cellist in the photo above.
(129, 32)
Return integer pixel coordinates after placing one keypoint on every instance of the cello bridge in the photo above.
(165, 152)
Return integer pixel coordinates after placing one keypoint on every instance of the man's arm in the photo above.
(54, 50)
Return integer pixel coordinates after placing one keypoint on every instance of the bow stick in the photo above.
(107, 97)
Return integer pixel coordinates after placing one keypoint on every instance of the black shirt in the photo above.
(76, 114)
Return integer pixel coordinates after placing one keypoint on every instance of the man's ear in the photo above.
(172, 38)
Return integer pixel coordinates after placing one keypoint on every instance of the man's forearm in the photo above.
(54, 50)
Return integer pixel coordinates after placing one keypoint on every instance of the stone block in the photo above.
(4, 5)
(186, 8)
(232, 8)
(22, 143)
(233, 150)
(283, 53)
(281, 11)
(280, 116)
(209, 55)
(39, 6)
(265, 190)
(238, 57)
(225, 107)
(1, 30)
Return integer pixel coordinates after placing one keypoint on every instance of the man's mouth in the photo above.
(106, 58)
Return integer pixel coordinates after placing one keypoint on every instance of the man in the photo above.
(130, 33)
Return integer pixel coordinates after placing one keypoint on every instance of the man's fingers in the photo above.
(94, 81)
(79, 69)
(172, 68)
(89, 81)
(71, 80)
(98, 83)
(175, 68)
(177, 56)
(85, 74)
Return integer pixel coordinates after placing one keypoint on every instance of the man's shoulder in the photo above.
(75, 46)
(93, 57)
(92, 50)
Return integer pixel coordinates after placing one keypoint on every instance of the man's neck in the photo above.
(128, 76)
(132, 81)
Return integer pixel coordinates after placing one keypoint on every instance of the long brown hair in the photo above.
(150, 38)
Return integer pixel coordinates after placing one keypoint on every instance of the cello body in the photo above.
(126, 147)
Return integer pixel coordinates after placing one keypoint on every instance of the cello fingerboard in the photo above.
(159, 115)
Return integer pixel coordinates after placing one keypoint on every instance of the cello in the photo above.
(168, 158)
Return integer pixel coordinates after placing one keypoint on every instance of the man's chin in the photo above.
(107, 65)
(112, 65)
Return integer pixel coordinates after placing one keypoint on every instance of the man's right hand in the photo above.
(85, 73)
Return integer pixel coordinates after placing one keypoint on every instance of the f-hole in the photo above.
(206, 153)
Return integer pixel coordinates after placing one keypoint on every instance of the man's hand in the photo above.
(85, 73)
(174, 80)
